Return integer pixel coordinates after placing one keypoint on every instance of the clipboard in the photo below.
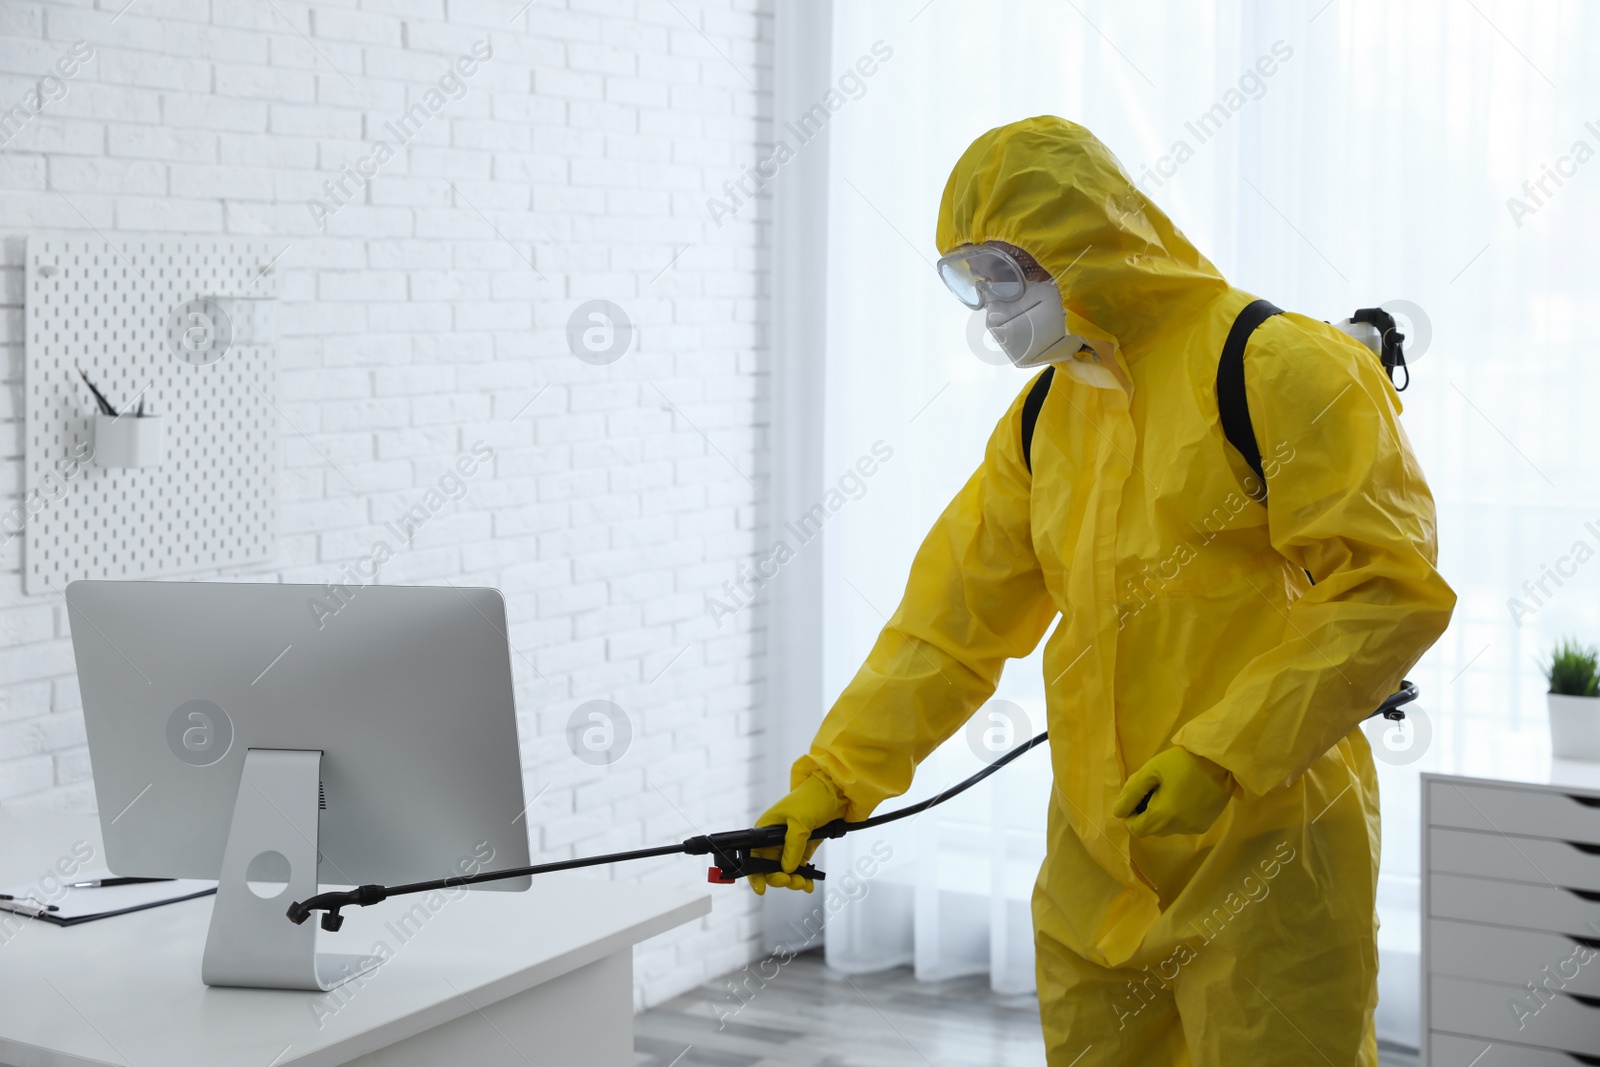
(84, 905)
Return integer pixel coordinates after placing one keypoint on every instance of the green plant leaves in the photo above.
(1574, 670)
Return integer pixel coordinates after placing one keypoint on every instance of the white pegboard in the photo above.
(106, 308)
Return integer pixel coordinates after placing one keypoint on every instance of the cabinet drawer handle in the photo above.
(1585, 847)
(1586, 942)
(1584, 894)
(1588, 802)
(1581, 1058)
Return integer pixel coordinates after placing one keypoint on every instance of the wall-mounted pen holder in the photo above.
(128, 440)
(123, 316)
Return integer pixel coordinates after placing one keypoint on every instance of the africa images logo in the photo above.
(199, 732)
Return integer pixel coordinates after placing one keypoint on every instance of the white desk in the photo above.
(543, 977)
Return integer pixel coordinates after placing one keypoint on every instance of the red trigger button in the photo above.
(714, 874)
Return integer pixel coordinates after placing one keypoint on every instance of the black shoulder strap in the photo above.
(1232, 403)
(1030, 413)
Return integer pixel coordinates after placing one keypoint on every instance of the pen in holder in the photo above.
(129, 439)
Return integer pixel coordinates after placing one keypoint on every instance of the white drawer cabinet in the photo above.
(1515, 857)
(1491, 953)
(1511, 923)
(1446, 1050)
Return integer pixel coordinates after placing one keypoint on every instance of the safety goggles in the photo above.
(978, 274)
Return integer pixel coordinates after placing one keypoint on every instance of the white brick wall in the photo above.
(415, 326)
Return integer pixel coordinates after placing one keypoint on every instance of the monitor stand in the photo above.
(252, 942)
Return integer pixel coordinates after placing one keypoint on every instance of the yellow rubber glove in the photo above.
(1190, 792)
(811, 804)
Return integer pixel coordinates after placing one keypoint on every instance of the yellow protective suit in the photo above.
(1186, 618)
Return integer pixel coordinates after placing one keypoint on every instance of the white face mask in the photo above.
(1032, 330)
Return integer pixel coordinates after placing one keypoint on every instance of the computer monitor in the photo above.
(278, 737)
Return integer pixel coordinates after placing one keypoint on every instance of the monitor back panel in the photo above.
(406, 690)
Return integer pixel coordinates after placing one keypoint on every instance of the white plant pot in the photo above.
(1574, 726)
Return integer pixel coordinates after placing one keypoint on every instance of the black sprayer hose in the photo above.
(937, 798)
(731, 848)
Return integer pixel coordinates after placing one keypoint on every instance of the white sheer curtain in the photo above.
(1373, 164)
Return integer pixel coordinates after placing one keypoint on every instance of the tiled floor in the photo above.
(811, 1016)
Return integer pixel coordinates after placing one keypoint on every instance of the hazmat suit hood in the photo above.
(1049, 187)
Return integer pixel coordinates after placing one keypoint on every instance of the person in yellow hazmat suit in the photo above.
(1208, 892)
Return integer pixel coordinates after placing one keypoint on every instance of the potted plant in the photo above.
(1574, 676)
